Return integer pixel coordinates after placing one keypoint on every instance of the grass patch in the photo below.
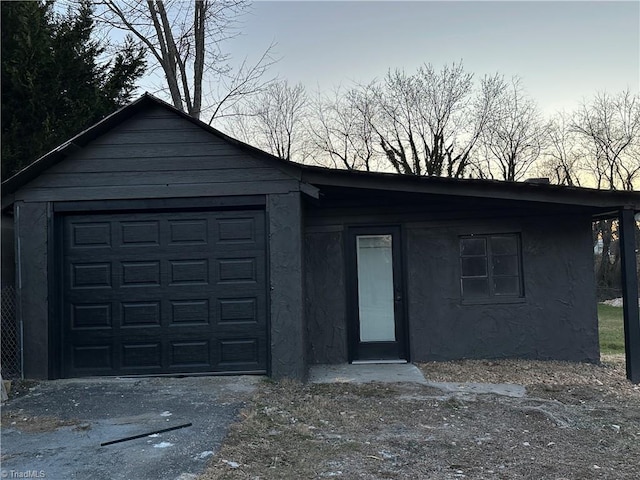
(610, 326)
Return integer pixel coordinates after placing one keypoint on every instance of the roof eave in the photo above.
(532, 192)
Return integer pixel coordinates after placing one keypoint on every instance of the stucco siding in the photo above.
(555, 319)
(286, 286)
(325, 296)
(32, 221)
(7, 245)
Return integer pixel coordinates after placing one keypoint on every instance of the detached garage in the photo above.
(143, 248)
(153, 244)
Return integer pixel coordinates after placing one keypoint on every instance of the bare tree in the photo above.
(515, 133)
(273, 119)
(185, 39)
(280, 115)
(341, 129)
(609, 127)
(430, 122)
(563, 157)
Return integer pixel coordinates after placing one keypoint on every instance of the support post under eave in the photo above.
(631, 312)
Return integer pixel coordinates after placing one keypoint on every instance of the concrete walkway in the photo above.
(365, 373)
(405, 373)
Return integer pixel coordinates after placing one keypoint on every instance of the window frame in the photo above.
(491, 297)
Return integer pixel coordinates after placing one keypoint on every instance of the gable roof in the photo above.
(602, 202)
(146, 101)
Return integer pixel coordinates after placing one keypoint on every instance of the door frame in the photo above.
(399, 352)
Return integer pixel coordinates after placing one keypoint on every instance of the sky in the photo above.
(564, 52)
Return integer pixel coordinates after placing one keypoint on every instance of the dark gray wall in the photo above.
(557, 318)
(8, 252)
(286, 276)
(32, 220)
(156, 154)
(325, 296)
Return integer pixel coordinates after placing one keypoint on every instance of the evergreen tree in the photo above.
(53, 84)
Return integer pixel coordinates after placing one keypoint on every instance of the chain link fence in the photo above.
(10, 331)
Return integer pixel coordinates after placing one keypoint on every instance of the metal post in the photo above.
(631, 312)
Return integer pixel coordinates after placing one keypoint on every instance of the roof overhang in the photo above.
(601, 203)
(605, 203)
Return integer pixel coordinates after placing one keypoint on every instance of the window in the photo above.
(490, 266)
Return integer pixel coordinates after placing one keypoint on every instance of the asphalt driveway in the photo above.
(58, 430)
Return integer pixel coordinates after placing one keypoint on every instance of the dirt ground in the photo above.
(576, 421)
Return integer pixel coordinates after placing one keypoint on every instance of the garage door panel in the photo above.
(92, 359)
(190, 354)
(242, 353)
(91, 316)
(188, 232)
(140, 273)
(141, 233)
(236, 230)
(237, 310)
(237, 270)
(164, 293)
(189, 272)
(135, 314)
(193, 311)
(90, 275)
(142, 356)
(90, 235)
(234, 301)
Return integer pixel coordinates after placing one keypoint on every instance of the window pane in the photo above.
(475, 287)
(474, 267)
(375, 288)
(473, 246)
(506, 285)
(504, 245)
(505, 265)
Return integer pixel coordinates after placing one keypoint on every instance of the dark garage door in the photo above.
(154, 293)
